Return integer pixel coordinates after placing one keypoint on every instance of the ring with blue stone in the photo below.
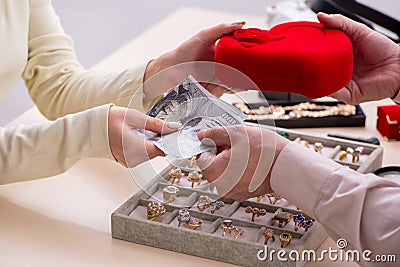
(307, 224)
(298, 220)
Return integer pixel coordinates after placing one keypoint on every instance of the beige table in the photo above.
(65, 220)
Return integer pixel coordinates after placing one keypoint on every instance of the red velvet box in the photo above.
(388, 123)
(297, 57)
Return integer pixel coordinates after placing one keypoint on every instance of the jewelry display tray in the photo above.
(129, 222)
(358, 119)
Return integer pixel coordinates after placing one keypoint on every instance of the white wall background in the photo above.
(99, 27)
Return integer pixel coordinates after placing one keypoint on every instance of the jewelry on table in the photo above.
(273, 198)
(342, 155)
(227, 227)
(155, 210)
(176, 174)
(307, 224)
(192, 162)
(285, 239)
(269, 233)
(258, 198)
(170, 193)
(194, 177)
(305, 143)
(318, 146)
(184, 216)
(282, 217)
(216, 205)
(298, 220)
(203, 202)
(356, 154)
(255, 211)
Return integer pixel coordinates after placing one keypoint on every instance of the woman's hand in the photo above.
(376, 62)
(127, 147)
(198, 48)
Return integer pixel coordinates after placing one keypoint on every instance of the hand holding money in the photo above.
(193, 106)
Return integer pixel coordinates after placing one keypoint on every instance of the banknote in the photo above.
(192, 105)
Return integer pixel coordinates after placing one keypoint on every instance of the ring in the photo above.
(342, 155)
(203, 202)
(285, 239)
(255, 211)
(227, 227)
(318, 146)
(273, 196)
(269, 233)
(155, 210)
(191, 162)
(194, 177)
(258, 198)
(298, 220)
(307, 224)
(184, 216)
(283, 217)
(356, 154)
(176, 174)
(216, 205)
(169, 193)
(305, 143)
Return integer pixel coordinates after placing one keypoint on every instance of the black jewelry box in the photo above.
(358, 119)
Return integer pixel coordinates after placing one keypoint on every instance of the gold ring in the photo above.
(155, 210)
(203, 202)
(356, 154)
(227, 227)
(176, 174)
(194, 177)
(260, 197)
(283, 217)
(269, 233)
(342, 155)
(170, 193)
(273, 198)
(255, 211)
(285, 239)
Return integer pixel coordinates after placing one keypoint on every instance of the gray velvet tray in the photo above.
(129, 222)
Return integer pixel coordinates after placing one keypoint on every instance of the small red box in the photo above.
(388, 123)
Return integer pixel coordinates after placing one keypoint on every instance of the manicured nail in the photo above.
(173, 125)
(239, 23)
(208, 142)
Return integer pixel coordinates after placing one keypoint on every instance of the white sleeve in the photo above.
(49, 148)
(362, 208)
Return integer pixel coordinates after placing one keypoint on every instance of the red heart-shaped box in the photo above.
(298, 57)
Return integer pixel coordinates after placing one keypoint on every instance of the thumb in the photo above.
(137, 120)
(337, 21)
(219, 135)
(212, 34)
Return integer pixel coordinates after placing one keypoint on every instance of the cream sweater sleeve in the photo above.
(49, 148)
(58, 84)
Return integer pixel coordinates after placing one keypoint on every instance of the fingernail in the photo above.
(208, 142)
(173, 125)
(239, 23)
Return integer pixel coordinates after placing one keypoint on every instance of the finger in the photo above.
(337, 21)
(214, 33)
(219, 135)
(152, 150)
(137, 120)
(343, 95)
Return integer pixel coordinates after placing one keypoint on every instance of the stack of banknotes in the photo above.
(192, 105)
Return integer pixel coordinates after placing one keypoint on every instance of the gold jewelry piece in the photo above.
(356, 154)
(155, 210)
(273, 198)
(191, 162)
(203, 202)
(342, 155)
(216, 205)
(227, 227)
(285, 239)
(184, 216)
(170, 193)
(194, 177)
(255, 211)
(305, 143)
(318, 146)
(269, 233)
(176, 174)
(282, 217)
(260, 197)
